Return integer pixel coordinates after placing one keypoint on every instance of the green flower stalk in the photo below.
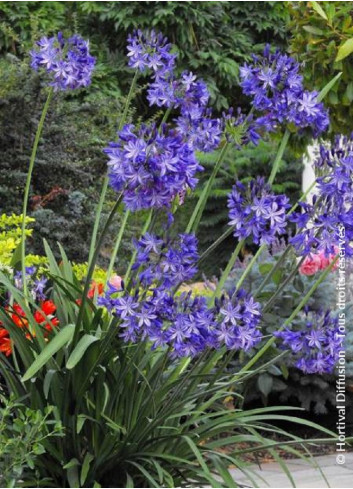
(28, 186)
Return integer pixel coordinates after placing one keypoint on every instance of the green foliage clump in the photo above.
(322, 39)
(24, 434)
(214, 37)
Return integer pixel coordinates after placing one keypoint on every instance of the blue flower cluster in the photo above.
(67, 61)
(256, 211)
(169, 263)
(316, 347)
(185, 324)
(37, 285)
(195, 123)
(276, 87)
(321, 222)
(149, 50)
(151, 166)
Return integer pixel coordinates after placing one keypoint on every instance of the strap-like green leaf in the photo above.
(328, 87)
(60, 340)
(85, 468)
(80, 350)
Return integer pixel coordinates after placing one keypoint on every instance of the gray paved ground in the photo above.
(304, 474)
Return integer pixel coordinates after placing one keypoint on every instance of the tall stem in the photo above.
(117, 245)
(132, 260)
(279, 156)
(28, 185)
(197, 214)
(215, 245)
(249, 267)
(106, 179)
(227, 270)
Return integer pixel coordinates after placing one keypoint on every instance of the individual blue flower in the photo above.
(239, 319)
(38, 288)
(316, 346)
(254, 210)
(67, 61)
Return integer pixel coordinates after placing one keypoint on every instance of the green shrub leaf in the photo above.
(317, 7)
(345, 50)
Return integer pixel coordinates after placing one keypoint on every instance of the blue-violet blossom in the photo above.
(67, 61)
(315, 348)
(276, 88)
(150, 166)
(326, 223)
(256, 211)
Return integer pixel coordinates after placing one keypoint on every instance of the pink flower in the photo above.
(310, 265)
(116, 281)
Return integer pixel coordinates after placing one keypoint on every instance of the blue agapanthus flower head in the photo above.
(326, 223)
(167, 263)
(191, 97)
(276, 87)
(239, 318)
(67, 61)
(254, 210)
(37, 285)
(150, 50)
(151, 166)
(315, 347)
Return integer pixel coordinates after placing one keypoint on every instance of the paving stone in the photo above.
(303, 473)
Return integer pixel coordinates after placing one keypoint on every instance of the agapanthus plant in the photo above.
(133, 365)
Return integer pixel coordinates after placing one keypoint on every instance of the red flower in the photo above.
(47, 309)
(96, 288)
(43, 316)
(5, 342)
(18, 316)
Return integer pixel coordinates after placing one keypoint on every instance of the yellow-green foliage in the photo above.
(10, 235)
(80, 270)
